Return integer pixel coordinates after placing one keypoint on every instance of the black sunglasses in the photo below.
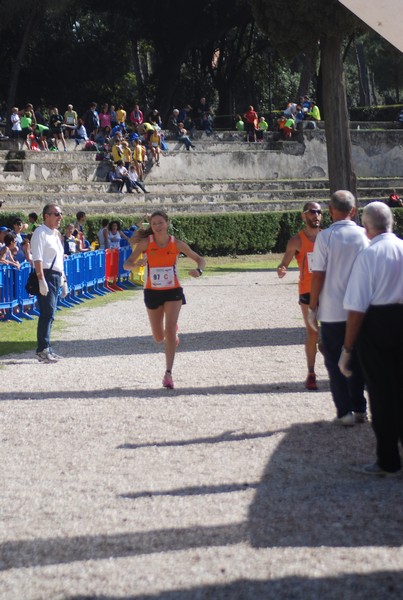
(313, 211)
(56, 214)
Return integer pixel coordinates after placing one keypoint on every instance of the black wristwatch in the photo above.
(199, 271)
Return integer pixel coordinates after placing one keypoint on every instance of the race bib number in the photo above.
(162, 277)
(310, 261)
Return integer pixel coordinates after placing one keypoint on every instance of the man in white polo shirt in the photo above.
(48, 255)
(334, 253)
(374, 300)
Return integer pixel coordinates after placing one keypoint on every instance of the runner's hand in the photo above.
(345, 363)
(281, 271)
(43, 287)
(312, 318)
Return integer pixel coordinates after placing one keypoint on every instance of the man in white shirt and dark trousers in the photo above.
(48, 255)
(374, 300)
(335, 251)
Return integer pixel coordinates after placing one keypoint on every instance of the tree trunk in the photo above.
(142, 99)
(337, 125)
(362, 74)
(15, 70)
(305, 80)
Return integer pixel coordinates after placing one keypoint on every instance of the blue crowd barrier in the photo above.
(86, 274)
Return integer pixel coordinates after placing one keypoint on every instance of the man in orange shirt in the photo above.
(301, 247)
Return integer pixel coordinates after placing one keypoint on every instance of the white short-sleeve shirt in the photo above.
(45, 246)
(377, 275)
(335, 251)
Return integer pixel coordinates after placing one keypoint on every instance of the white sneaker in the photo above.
(347, 420)
(375, 469)
(46, 356)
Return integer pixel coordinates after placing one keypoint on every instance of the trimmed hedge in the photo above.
(220, 234)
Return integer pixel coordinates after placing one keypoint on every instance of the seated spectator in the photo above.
(122, 175)
(136, 117)
(394, 200)
(184, 138)
(7, 251)
(71, 242)
(115, 235)
(291, 109)
(314, 112)
(262, 127)
(103, 234)
(203, 107)
(81, 133)
(251, 122)
(239, 125)
(134, 181)
(155, 118)
(206, 123)
(155, 146)
(190, 126)
(299, 115)
(173, 124)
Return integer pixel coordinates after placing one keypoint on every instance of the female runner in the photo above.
(163, 295)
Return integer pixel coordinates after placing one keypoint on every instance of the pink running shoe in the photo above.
(167, 381)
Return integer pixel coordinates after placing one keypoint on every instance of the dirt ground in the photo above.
(234, 485)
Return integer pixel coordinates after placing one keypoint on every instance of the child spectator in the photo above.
(155, 145)
(7, 251)
(15, 123)
(138, 159)
(32, 219)
(127, 154)
(262, 127)
(70, 242)
(239, 125)
(81, 133)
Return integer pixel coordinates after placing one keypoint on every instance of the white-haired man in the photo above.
(374, 300)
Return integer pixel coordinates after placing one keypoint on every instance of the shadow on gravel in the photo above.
(286, 387)
(379, 585)
(309, 496)
(189, 342)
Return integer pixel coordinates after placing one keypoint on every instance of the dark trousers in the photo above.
(380, 350)
(47, 308)
(347, 393)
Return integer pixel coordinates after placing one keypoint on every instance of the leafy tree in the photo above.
(308, 24)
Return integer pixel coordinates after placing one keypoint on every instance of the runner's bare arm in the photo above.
(187, 251)
(133, 262)
(293, 246)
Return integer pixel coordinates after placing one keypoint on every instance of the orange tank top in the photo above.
(304, 260)
(161, 265)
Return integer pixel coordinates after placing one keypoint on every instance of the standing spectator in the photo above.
(114, 119)
(91, 119)
(121, 117)
(18, 227)
(56, 127)
(262, 128)
(70, 120)
(47, 254)
(155, 145)
(374, 300)
(138, 158)
(70, 242)
(335, 251)
(115, 235)
(32, 219)
(103, 234)
(301, 247)
(127, 154)
(26, 122)
(251, 121)
(104, 118)
(15, 123)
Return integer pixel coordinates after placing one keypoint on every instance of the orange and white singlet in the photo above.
(304, 260)
(161, 265)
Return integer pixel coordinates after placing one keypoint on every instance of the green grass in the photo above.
(19, 337)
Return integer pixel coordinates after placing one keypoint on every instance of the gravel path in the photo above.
(234, 485)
